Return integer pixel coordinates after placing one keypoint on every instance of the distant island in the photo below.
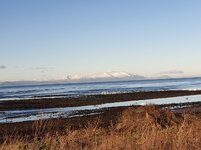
(96, 77)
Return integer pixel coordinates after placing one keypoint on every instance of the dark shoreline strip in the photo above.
(90, 100)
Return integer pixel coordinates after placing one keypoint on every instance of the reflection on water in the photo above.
(78, 89)
(35, 114)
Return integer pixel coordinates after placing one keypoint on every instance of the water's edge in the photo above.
(66, 112)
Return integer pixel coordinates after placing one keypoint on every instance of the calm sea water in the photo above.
(78, 89)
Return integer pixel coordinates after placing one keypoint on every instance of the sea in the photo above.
(21, 92)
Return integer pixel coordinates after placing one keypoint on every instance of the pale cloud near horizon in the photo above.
(2, 67)
(42, 68)
(172, 72)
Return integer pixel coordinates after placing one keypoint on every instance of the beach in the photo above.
(82, 117)
(41, 103)
(36, 112)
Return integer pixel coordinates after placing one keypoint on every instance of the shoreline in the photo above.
(90, 100)
(107, 116)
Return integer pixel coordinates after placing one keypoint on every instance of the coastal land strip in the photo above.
(40, 103)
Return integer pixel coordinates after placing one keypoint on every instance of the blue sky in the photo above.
(49, 39)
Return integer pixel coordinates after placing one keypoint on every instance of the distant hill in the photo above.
(96, 77)
(106, 76)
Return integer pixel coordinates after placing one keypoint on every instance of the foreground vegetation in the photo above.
(143, 128)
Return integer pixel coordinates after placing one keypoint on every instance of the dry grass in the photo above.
(144, 128)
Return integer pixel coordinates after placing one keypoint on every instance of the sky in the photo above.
(49, 39)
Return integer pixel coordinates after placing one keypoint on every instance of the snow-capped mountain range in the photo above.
(105, 76)
(94, 77)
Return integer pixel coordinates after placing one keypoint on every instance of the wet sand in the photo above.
(89, 100)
